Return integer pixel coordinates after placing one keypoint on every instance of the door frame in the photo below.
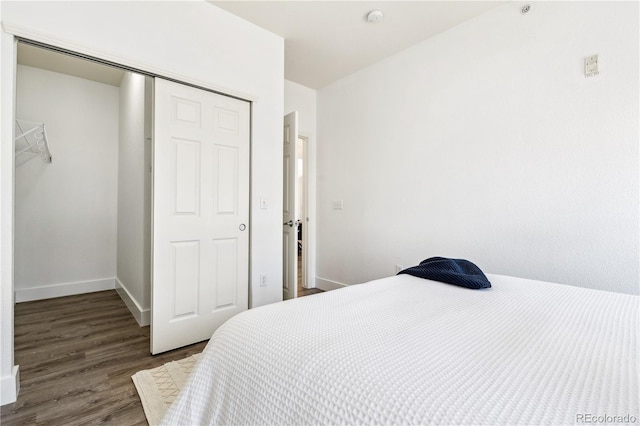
(306, 221)
(309, 203)
(311, 206)
(10, 35)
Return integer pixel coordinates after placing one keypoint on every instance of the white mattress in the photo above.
(405, 350)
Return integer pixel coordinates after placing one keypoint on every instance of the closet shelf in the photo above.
(31, 142)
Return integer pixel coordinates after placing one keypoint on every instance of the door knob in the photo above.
(290, 223)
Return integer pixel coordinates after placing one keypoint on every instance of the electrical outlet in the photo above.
(263, 280)
(399, 268)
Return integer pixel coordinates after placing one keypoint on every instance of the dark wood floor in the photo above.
(76, 357)
(307, 291)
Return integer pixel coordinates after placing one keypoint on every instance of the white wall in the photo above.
(134, 193)
(487, 142)
(191, 41)
(65, 211)
(304, 100)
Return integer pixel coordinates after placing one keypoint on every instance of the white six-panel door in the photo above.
(200, 213)
(289, 219)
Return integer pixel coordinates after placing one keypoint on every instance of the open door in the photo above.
(290, 222)
(200, 213)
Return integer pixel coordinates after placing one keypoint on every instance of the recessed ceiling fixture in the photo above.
(375, 16)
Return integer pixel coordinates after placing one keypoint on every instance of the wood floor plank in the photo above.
(77, 355)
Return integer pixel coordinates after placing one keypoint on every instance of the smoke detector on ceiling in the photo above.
(375, 16)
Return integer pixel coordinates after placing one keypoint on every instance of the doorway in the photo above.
(304, 287)
(82, 211)
(296, 215)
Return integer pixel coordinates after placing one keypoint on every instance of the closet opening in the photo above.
(305, 288)
(82, 179)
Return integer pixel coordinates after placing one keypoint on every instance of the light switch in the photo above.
(591, 66)
(337, 204)
(263, 203)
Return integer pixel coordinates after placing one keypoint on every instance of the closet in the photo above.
(82, 179)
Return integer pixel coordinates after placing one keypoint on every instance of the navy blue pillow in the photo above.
(452, 271)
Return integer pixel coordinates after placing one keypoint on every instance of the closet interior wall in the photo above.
(82, 222)
(133, 280)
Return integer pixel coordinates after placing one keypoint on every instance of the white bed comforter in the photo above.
(405, 350)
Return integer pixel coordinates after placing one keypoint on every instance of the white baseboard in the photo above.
(64, 289)
(142, 316)
(328, 285)
(10, 386)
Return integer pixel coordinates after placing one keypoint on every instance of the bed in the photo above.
(405, 350)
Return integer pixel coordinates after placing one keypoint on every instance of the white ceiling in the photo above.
(324, 40)
(328, 40)
(66, 64)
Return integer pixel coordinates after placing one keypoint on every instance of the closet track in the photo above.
(117, 65)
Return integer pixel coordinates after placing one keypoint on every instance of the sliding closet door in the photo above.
(200, 213)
